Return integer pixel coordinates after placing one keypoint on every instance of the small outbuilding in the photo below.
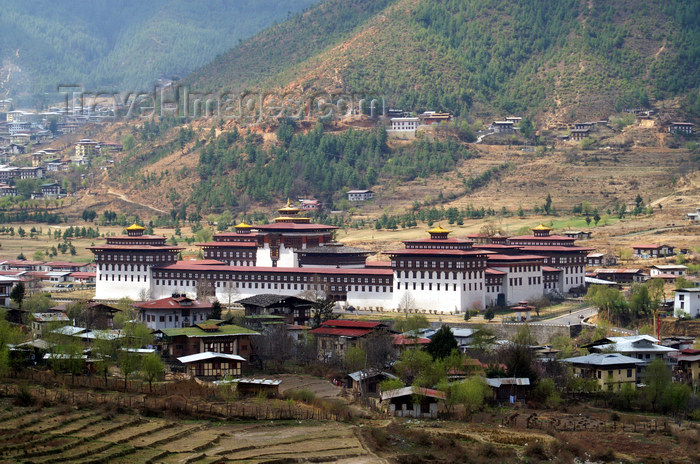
(366, 381)
(413, 402)
(509, 389)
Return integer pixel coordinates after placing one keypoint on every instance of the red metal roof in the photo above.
(550, 269)
(349, 323)
(136, 247)
(379, 264)
(495, 272)
(399, 339)
(649, 247)
(340, 332)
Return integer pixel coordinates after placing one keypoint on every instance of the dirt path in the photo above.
(126, 199)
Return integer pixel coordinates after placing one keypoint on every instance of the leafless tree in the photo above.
(205, 290)
(407, 303)
(316, 289)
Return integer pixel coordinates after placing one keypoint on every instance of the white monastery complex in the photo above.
(293, 256)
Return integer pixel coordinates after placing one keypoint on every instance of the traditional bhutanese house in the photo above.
(413, 402)
(83, 277)
(577, 234)
(619, 276)
(644, 348)
(610, 370)
(580, 134)
(681, 127)
(401, 341)
(678, 342)
(212, 365)
(176, 311)
(6, 284)
(206, 336)
(43, 320)
(366, 381)
(600, 259)
(95, 316)
(292, 309)
(688, 366)
(651, 251)
(236, 249)
(664, 270)
(430, 118)
(334, 337)
(509, 389)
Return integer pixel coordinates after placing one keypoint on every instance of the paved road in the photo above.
(570, 319)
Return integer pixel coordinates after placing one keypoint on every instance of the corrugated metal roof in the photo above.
(497, 383)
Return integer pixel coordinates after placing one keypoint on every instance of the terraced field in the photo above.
(70, 435)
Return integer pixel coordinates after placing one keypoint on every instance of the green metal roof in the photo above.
(223, 330)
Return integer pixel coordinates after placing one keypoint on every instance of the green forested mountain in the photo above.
(509, 56)
(124, 45)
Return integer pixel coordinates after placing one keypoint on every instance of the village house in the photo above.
(366, 382)
(309, 205)
(176, 311)
(694, 216)
(85, 148)
(212, 365)
(687, 303)
(294, 310)
(644, 348)
(651, 251)
(619, 276)
(433, 118)
(672, 270)
(52, 190)
(214, 336)
(577, 234)
(579, 134)
(360, 195)
(40, 321)
(688, 366)
(509, 389)
(503, 127)
(404, 124)
(681, 128)
(601, 259)
(6, 284)
(335, 337)
(610, 370)
(583, 125)
(7, 190)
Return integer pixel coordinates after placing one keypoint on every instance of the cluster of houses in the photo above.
(402, 123)
(50, 272)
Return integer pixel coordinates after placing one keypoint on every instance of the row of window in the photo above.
(274, 278)
(438, 287)
(439, 275)
(441, 264)
(160, 257)
(229, 254)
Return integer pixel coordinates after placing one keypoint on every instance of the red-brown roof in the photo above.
(554, 248)
(429, 252)
(379, 264)
(295, 226)
(349, 323)
(83, 275)
(340, 332)
(494, 271)
(649, 247)
(185, 266)
(550, 269)
(500, 257)
(136, 247)
(229, 244)
(399, 339)
(544, 238)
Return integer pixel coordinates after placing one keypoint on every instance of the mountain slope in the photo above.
(125, 45)
(570, 55)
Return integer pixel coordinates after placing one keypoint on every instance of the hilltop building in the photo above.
(294, 257)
